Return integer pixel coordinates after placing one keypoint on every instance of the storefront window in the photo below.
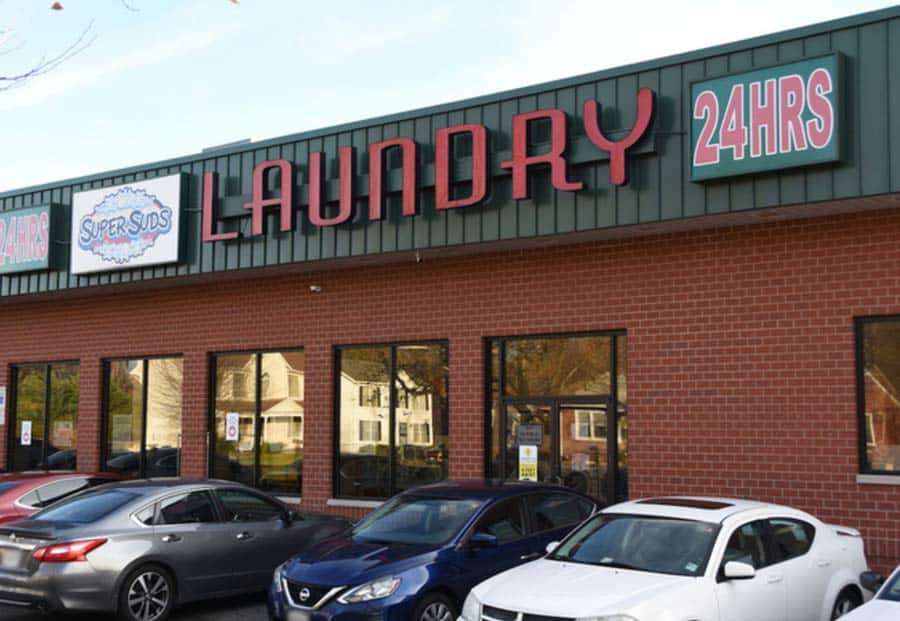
(879, 385)
(142, 417)
(392, 419)
(44, 417)
(557, 411)
(258, 419)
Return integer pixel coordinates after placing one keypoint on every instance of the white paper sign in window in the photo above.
(26, 433)
(126, 226)
(232, 427)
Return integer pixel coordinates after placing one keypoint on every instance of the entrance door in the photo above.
(571, 442)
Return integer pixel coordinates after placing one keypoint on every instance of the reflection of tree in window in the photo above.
(558, 366)
(881, 353)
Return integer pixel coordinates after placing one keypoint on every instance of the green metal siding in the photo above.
(659, 166)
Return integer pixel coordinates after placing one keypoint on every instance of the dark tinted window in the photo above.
(558, 510)
(792, 538)
(86, 508)
(747, 545)
(241, 506)
(891, 590)
(189, 508)
(50, 493)
(503, 521)
(415, 519)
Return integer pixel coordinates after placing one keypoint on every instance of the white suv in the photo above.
(684, 559)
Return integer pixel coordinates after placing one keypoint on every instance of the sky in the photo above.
(165, 78)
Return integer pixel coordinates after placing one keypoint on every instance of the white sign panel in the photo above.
(26, 433)
(2, 405)
(528, 463)
(125, 226)
(232, 427)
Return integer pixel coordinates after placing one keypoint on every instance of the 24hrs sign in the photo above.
(767, 119)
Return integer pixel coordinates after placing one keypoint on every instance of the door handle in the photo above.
(823, 563)
(530, 557)
(244, 536)
(171, 539)
(774, 579)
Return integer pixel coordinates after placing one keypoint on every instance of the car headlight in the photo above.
(608, 618)
(377, 589)
(471, 608)
(277, 585)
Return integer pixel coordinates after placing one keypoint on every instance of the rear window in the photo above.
(86, 508)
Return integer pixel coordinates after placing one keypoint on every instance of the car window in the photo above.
(503, 521)
(891, 590)
(51, 492)
(86, 508)
(557, 510)
(747, 545)
(145, 516)
(792, 538)
(188, 508)
(241, 506)
(416, 519)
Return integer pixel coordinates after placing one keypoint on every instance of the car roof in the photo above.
(151, 486)
(699, 508)
(483, 489)
(52, 475)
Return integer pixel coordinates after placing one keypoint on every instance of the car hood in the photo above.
(561, 589)
(341, 561)
(876, 610)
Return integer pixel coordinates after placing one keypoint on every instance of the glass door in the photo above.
(529, 436)
(583, 448)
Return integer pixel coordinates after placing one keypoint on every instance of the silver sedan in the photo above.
(139, 548)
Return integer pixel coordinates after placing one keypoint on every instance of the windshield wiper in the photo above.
(618, 565)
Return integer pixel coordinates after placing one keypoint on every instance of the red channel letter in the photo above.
(345, 201)
(209, 191)
(285, 201)
(762, 118)
(791, 104)
(617, 148)
(376, 171)
(821, 128)
(521, 160)
(442, 166)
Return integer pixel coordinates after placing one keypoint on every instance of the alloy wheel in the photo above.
(842, 606)
(148, 596)
(436, 611)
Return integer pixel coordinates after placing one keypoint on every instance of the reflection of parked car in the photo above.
(886, 604)
(24, 494)
(160, 462)
(141, 547)
(65, 459)
(367, 475)
(416, 557)
(286, 480)
(685, 558)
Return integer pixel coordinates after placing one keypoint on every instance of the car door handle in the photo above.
(823, 564)
(774, 579)
(530, 557)
(244, 536)
(171, 539)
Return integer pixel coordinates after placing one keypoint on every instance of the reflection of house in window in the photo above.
(590, 424)
(239, 387)
(370, 431)
(882, 420)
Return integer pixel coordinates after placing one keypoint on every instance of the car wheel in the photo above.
(148, 594)
(846, 601)
(435, 607)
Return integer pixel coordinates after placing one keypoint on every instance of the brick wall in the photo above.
(741, 376)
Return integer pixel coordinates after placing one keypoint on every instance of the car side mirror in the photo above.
(871, 581)
(291, 516)
(551, 547)
(482, 540)
(739, 571)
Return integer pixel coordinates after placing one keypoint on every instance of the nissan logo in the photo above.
(304, 594)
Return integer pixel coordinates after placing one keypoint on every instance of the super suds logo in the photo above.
(124, 225)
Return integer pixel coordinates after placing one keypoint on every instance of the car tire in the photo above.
(147, 594)
(436, 607)
(846, 601)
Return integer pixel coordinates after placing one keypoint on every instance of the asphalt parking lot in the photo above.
(244, 608)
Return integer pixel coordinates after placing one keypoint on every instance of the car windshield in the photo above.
(416, 520)
(641, 542)
(85, 508)
(891, 590)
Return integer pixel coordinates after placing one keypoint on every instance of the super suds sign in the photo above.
(25, 240)
(133, 225)
(768, 119)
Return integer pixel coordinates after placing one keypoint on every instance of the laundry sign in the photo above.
(126, 226)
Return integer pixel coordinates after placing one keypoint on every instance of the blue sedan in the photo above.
(418, 555)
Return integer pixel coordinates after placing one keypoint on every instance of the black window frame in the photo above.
(861, 422)
(257, 407)
(104, 411)
(12, 407)
(778, 555)
(392, 412)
